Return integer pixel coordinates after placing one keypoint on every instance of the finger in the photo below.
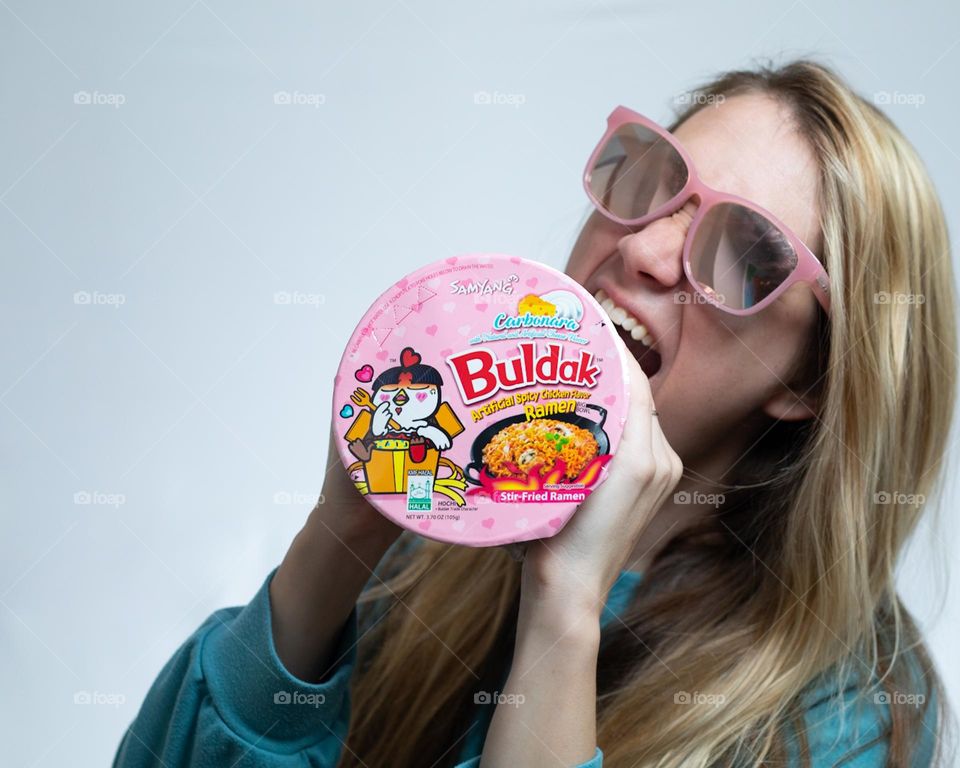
(638, 429)
(657, 441)
(670, 462)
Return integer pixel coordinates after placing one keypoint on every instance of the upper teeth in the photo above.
(620, 316)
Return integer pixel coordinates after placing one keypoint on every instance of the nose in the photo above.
(656, 251)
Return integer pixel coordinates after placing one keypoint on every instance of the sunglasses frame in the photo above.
(808, 270)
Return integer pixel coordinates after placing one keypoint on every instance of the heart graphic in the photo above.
(347, 411)
(382, 354)
(402, 283)
(452, 260)
(464, 330)
(480, 307)
(408, 357)
(431, 330)
(364, 374)
(610, 399)
(449, 306)
(400, 330)
(458, 525)
(522, 522)
(487, 523)
(424, 525)
(532, 281)
(515, 259)
(556, 522)
(421, 396)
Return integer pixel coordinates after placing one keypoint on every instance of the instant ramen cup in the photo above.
(480, 399)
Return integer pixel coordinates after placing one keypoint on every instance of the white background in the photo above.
(186, 192)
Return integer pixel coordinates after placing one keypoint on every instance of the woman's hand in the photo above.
(564, 586)
(343, 510)
(328, 564)
(577, 566)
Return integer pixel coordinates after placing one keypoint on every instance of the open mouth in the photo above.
(634, 334)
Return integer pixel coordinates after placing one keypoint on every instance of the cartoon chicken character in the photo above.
(405, 425)
(410, 395)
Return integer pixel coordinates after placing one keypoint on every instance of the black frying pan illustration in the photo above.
(472, 470)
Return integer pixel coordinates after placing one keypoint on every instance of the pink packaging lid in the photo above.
(480, 399)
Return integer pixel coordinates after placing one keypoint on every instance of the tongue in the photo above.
(648, 358)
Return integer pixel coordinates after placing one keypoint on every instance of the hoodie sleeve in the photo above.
(225, 698)
(850, 727)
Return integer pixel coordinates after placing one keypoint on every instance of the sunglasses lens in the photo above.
(636, 171)
(739, 256)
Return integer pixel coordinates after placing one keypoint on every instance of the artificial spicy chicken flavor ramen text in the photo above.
(480, 399)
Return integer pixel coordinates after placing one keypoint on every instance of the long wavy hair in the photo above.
(791, 584)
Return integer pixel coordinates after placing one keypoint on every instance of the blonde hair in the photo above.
(798, 565)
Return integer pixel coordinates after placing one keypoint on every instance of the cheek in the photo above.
(711, 370)
(384, 397)
(707, 352)
(421, 396)
(732, 364)
(723, 373)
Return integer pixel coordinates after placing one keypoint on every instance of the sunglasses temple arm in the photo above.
(820, 284)
(811, 271)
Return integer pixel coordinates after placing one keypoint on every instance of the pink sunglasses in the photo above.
(737, 256)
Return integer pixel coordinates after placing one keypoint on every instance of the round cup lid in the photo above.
(480, 399)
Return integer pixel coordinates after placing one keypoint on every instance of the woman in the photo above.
(743, 613)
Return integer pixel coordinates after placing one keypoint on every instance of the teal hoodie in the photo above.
(226, 699)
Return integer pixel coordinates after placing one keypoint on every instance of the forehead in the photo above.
(749, 146)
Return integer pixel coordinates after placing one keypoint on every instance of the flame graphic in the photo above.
(535, 481)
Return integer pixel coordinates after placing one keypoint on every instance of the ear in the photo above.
(788, 405)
